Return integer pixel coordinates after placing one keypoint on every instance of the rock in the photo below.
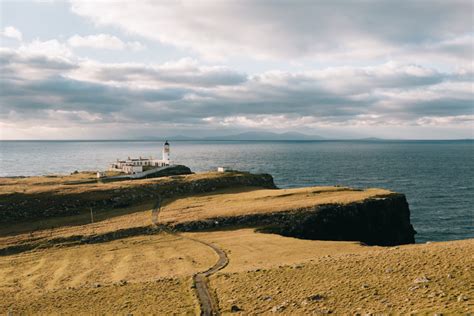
(364, 286)
(279, 308)
(96, 285)
(422, 279)
(315, 297)
(355, 221)
(462, 298)
(235, 309)
(122, 282)
(323, 311)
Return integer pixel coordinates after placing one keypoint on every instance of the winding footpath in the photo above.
(208, 303)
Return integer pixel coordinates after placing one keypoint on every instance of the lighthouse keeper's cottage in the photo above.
(136, 165)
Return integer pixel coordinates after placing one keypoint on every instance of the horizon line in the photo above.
(236, 140)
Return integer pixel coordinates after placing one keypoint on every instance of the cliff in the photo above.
(206, 201)
(383, 221)
(34, 198)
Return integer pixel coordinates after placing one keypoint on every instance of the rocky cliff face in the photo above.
(381, 221)
(21, 206)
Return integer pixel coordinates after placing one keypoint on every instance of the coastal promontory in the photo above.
(218, 242)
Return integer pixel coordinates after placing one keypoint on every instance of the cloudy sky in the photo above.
(340, 69)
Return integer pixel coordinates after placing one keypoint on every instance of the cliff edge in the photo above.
(203, 201)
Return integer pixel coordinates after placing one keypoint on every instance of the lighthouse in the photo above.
(166, 153)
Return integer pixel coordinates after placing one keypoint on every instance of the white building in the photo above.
(136, 165)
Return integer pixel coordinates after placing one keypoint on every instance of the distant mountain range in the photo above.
(263, 136)
(246, 136)
(267, 136)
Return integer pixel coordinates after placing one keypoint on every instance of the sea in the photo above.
(437, 177)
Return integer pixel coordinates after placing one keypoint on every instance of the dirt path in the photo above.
(208, 303)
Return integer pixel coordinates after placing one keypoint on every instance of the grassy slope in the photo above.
(377, 280)
(67, 184)
(65, 279)
(265, 271)
(228, 202)
(231, 202)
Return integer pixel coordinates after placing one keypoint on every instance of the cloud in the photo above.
(103, 41)
(24, 64)
(11, 32)
(50, 48)
(184, 72)
(51, 90)
(305, 29)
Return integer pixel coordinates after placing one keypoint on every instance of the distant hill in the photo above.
(243, 136)
(371, 138)
(266, 136)
(175, 137)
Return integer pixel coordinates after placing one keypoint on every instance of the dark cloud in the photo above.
(185, 72)
(79, 93)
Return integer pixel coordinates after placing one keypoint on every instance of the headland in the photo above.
(149, 246)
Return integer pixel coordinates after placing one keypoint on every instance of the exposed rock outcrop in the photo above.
(173, 170)
(375, 221)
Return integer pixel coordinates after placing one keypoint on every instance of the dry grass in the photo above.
(105, 221)
(378, 280)
(229, 202)
(249, 250)
(162, 297)
(54, 280)
(65, 184)
(253, 201)
(265, 271)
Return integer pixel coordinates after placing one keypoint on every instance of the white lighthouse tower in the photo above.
(166, 153)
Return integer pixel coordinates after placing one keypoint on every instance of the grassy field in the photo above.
(151, 274)
(253, 201)
(424, 279)
(266, 273)
(80, 183)
(248, 250)
(227, 202)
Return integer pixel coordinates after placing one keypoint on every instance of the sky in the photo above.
(338, 69)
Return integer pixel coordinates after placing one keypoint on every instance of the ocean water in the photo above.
(436, 176)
